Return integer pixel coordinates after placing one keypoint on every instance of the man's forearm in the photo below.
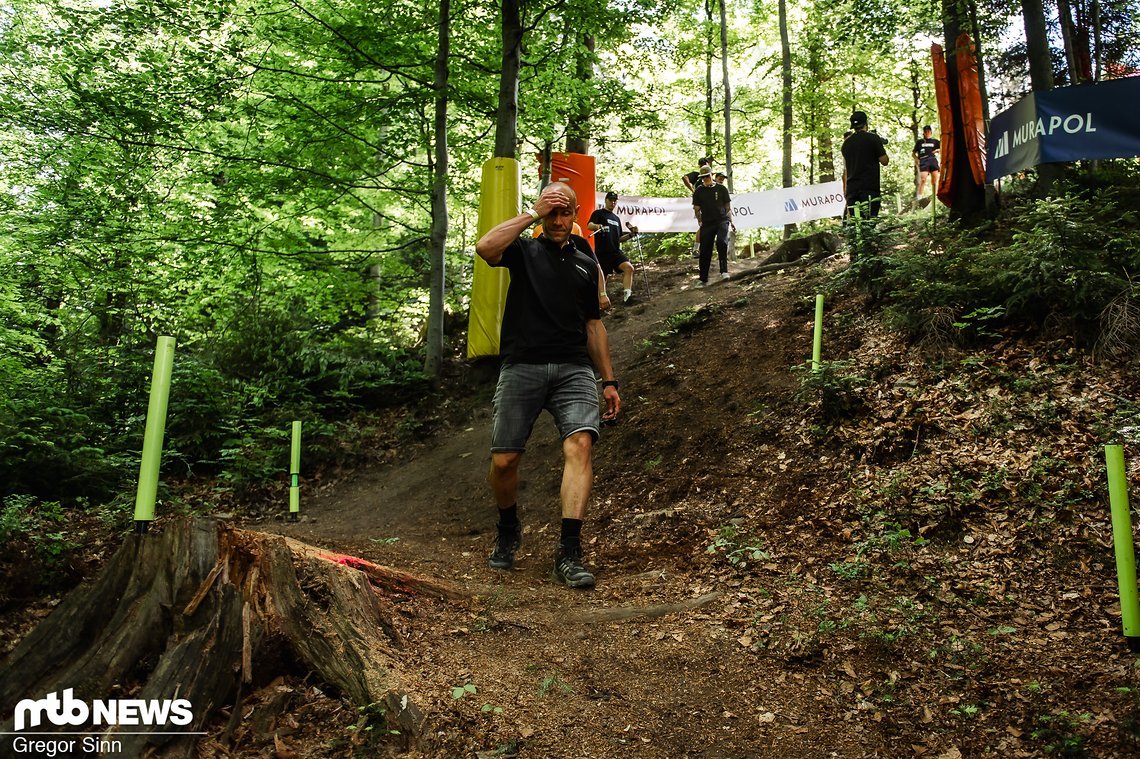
(490, 246)
(598, 346)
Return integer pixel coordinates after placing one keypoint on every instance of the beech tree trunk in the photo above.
(786, 69)
(433, 360)
(195, 611)
(578, 127)
(507, 115)
(727, 95)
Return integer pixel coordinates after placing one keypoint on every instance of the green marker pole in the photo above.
(152, 437)
(817, 343)
(1122, 541)
(295, 474)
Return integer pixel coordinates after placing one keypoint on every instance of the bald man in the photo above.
(552, 339)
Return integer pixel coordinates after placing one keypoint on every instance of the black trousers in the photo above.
(709, 233)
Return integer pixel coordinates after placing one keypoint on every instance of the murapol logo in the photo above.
(791, 206)
(1002, 146)
(129, 711)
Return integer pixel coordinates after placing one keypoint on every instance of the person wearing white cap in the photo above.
(712, 206)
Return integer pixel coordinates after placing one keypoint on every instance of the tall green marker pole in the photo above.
(295, 474)
(1122, 541)
(817, 342)
(152, 437)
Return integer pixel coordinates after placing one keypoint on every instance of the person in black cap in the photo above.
(863, 154)
(926, 159)
(712, 206)
(608, 238)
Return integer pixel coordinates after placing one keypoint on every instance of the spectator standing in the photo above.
(712, 206)
(863, 155)
(926, 159)
(608, 237)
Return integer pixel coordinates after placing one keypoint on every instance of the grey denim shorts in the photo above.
(568, 391)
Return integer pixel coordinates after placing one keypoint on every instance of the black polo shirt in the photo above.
(553, 293)
(711, 199)
(861, 153)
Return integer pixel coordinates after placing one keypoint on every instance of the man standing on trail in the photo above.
(712, 206)
(552, 340)
(863, 154)
(926, 159)
(608, 238)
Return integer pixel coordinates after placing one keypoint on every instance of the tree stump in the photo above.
(190, 612)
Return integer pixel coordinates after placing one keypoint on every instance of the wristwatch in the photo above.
(611, 383)
(533, 214)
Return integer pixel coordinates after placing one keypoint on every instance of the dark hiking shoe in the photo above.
(509, 540)
(569, 571)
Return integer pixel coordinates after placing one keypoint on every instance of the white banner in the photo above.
(750, 210)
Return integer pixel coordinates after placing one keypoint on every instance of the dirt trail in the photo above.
(440, 495)
(636, 667)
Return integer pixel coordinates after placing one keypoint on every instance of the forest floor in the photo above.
(910, 556)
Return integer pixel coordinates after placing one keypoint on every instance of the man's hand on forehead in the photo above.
(553, 197)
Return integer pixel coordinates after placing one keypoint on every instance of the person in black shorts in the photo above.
(863, 155)
(552, 340)
(608, 238)
(926, 159)
(713, 208)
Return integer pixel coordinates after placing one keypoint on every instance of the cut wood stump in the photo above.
(192, 611)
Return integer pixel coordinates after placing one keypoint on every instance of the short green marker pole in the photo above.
(152, 437)
(1122, 541)
(295, 474)
(817, 343)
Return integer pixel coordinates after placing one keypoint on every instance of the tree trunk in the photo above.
(578, 126)
(1096, 40)
(433, 358)
(727, 95)
(1065, 17)
(786, 69)
(197, 610)
(507, 115)
(1040, 76)
(708, 78)
(969, 197)
(915, 127)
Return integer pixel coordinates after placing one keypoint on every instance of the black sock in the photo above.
(509, 516)
(572, 535)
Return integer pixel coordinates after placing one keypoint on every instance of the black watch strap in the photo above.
(611, 383)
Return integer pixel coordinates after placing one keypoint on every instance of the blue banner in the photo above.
(1085, 122)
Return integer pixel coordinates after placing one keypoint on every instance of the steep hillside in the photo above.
(908, 554)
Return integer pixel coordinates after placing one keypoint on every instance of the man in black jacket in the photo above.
(712, 206)
(863, 155)
(551, 341)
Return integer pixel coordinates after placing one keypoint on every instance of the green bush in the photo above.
(1062, 259)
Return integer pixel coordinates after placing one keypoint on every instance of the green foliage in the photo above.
(834, 387)
(737, 547)
(1060, 733)
(1061, 260)
(461, 691)
(551, 682)
(34, 540)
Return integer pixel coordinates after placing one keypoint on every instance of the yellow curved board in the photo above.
(500, 198)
